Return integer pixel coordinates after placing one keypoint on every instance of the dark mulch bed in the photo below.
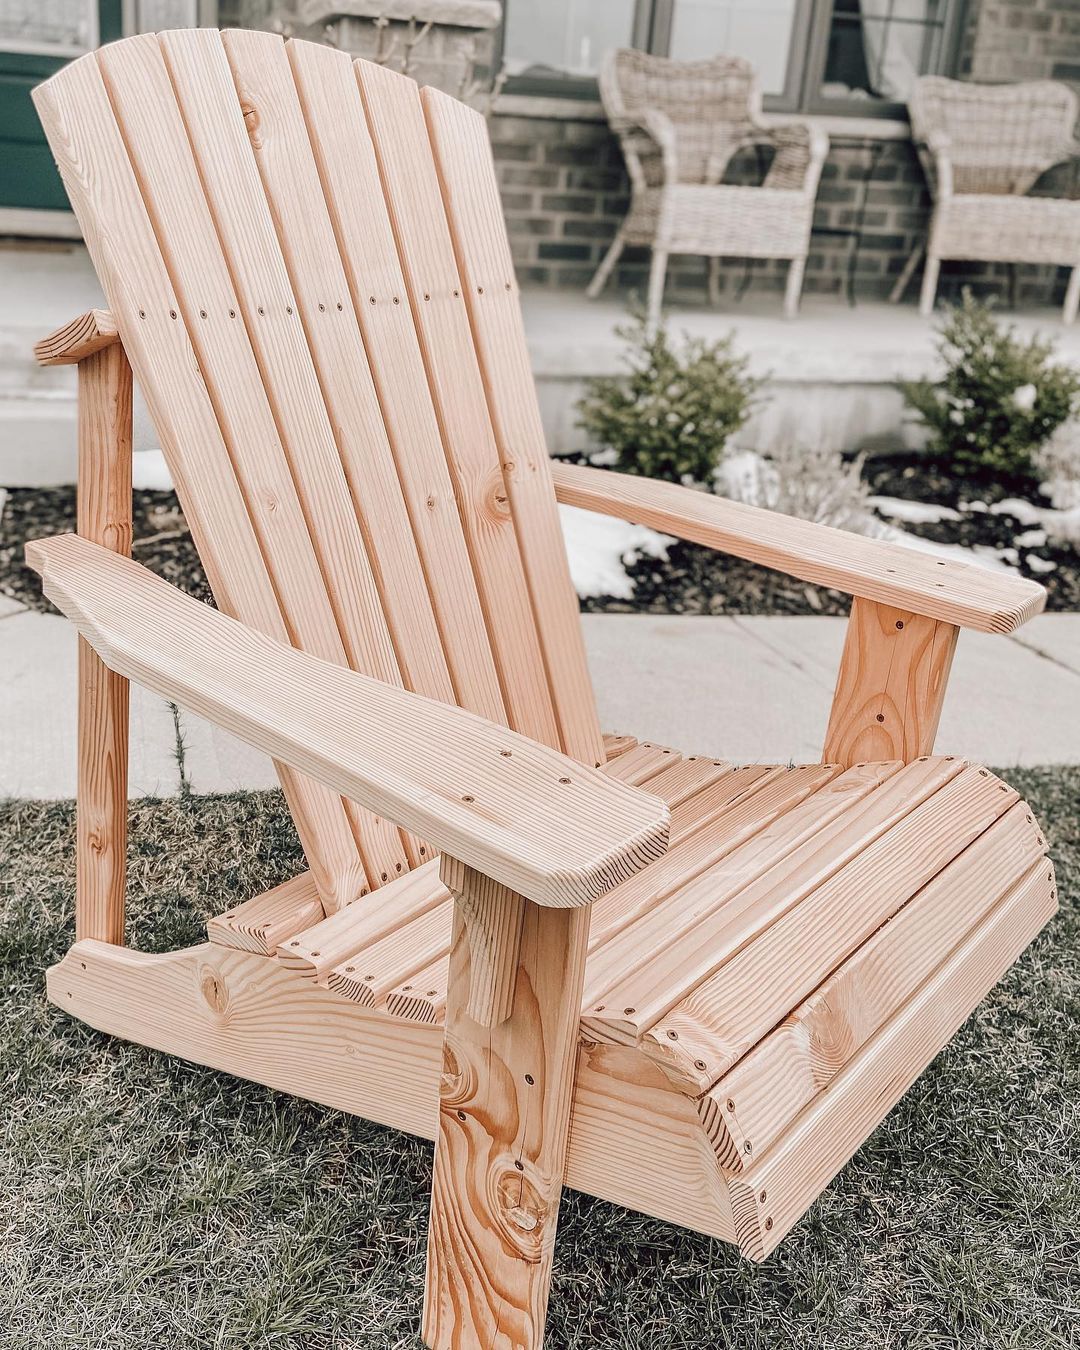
(146, 1202)
(691, 580)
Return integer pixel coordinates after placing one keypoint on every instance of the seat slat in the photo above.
(101, 183)
(641, 924)
(801, 1056)
(723, 1015)
(370, 974)
(690, 933)
(678, 783)
(474, 211)
(268, 381)
(773, 1194)
(399, 134)
(353, 191)
(645, 761)
(315, 952)
(615, 745)
(259, 924)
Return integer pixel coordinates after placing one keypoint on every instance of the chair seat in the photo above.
(1009, 229)
(810, 941)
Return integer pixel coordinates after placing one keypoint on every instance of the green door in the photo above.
(28, 177)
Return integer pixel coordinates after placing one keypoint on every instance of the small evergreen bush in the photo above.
(672, 416)
(1001, 397)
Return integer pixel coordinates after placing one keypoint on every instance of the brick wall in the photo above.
(1023, 40)
(565, 190)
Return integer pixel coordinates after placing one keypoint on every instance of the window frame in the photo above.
(651, 32)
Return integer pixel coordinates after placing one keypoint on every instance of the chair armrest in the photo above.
(553, 830)
(641, 137)
(801, 151)
(955, 592)
(82, 337)
(934, 152)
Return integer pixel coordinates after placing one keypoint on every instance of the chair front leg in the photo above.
(104, 516)
(1072, 297)
(891, 685)
(607, 266)
(512, 1012)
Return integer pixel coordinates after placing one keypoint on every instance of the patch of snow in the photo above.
(604, 459)
(1030, 539)
(880, 529)
(977, 506)
(1041, 565)
(598, 546)
(913, 513)
(150, 472)
(1024, 511)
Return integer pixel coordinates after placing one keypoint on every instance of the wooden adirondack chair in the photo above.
(308, 273)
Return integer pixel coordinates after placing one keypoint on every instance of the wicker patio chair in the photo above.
(680, 123)
(983, 148)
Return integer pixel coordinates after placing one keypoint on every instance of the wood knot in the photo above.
(251, 121)
(214, 991)
(524, 1211)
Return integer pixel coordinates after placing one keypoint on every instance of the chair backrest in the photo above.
(1001, 136)
(713, 104)
(309, 271)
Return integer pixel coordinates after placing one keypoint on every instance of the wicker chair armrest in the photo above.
(649, 142)
(934, 151)
(801, 151)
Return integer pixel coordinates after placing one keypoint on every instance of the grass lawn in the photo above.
(146, 1204)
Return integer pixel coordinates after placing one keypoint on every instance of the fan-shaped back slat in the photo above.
(101, 184)
(411, 185)
(201, 187)
(330, 341)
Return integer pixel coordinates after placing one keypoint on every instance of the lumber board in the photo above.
(104, 517)
(742, 808)
(890, 574)
(723, 1015)
(314, 952)
(556, 831)
(470, 193)
(755, 1102)
(81, 337)
(679, 782)
(771, 1196)
(264, 921)
(282, 148)
(891, 685)
(411, 186)
(353, 190)
(421, 995)
(79, 121)
(369, 974)
(616, 744)
(493, 921)
(259, 363)
(686, 930)
(645, 761)
(633, 1139)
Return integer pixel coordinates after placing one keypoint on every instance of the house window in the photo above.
(835, 56)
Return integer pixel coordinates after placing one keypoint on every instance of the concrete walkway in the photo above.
(749, 689)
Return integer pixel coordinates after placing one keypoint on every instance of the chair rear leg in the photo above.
(504, 1115)
(1072, 297)
(897, 292)
(104, 516)
(607, 266)
(714, 282)
(929, 285)
(657, 272)
(793, 289)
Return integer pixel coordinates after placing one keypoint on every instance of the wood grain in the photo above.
(493, 918)
(954, 592)
(104, 516)
(79, 121)
(722, 1016)
(891, 685)
(264, 921)
(556, 831)
(634, 1140)
(755, 1102)
(773, 1194)
(79, 338)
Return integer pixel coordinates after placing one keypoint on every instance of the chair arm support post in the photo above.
(890, 687)
(104, 517)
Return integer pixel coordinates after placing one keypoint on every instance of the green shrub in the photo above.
(1001, 397)
(672, 416)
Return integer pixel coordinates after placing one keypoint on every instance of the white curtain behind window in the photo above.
(759, 30)
(896, 50)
